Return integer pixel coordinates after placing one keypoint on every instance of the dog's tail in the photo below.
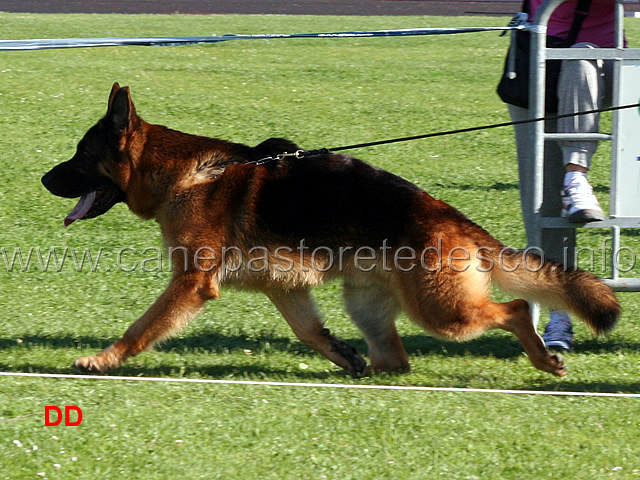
(525, 274)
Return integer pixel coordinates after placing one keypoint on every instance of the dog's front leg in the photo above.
(181, 301)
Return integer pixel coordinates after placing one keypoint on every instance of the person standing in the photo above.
(582, 85)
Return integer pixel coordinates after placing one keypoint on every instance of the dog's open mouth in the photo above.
(94, 203)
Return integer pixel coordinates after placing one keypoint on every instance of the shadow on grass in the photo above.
(591, 387)
(499, 186)
(228, 372)
(501, 347)
(498, 346)
(603, 346)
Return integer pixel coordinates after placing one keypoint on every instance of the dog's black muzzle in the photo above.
(65, 180)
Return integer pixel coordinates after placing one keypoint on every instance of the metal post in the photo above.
(537, 69)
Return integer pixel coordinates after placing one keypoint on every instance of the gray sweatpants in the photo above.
(582, 85)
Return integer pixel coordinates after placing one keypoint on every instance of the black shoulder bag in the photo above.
(514, 84)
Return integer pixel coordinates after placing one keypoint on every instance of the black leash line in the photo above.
(322, 151)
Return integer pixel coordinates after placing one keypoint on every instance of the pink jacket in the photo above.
(598, 27)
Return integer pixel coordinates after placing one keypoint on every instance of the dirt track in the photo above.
(274, 7)
(294, 7)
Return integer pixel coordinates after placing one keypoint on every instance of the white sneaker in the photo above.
(579, 204)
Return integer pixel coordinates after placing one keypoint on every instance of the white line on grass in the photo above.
(320, 385)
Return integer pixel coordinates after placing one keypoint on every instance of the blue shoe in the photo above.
(558, 334)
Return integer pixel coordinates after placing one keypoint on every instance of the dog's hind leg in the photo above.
(299, 311)
(374, 310)
(456, 305)
(520, 323)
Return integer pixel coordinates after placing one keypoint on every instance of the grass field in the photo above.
(320, 93)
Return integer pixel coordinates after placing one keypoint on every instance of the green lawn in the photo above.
(320, 93)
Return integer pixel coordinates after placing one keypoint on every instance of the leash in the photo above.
(299, 154)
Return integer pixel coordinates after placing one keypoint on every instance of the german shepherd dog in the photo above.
(288, 224)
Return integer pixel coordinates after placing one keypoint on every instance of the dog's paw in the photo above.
(556, 365)
(357, 363)
(359, 366)
(93, 364)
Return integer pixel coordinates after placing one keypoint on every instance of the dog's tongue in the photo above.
(81, 209)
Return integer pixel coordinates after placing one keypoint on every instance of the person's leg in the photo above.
(558, 333)
(583, 85)
(581, 88)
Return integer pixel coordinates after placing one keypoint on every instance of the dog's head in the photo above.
(99, 171)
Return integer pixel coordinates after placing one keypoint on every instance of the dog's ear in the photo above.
(121, 110)
(114, 90)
